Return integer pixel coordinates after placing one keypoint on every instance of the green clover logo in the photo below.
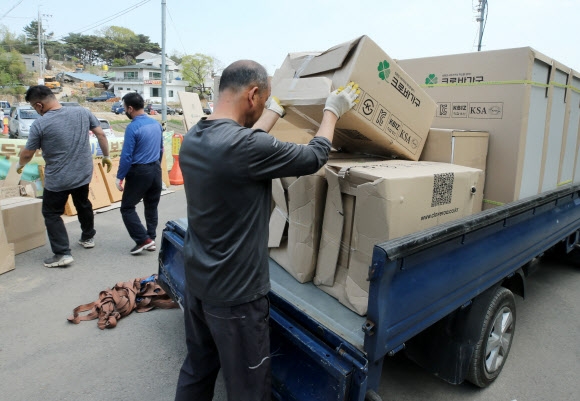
(431, 79)
(384, 70)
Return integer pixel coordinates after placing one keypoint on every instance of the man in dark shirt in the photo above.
(228, 161)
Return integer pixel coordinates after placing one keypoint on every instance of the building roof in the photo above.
(140, 66)
(86, 76)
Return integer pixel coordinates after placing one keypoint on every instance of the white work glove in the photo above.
(342, 100)
(19, 168)
(119, 184)
(273, 103)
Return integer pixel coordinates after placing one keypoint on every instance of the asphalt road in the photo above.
(43, 357)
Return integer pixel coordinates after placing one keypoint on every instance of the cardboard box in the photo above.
(295, 223)
(286, 132)
(465, 148)
(369, 203)
(164, 172)
(503, 92)
(6, 250)
(98, 194)
(192, 110)
(23, 222)
(569, 167)
(392, 117)
(554, 131)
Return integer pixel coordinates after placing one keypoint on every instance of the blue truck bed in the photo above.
(324, 351)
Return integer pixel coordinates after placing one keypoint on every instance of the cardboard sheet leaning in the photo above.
(369, 203)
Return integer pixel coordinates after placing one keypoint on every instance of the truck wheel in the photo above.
(495, 340)
(371, 395)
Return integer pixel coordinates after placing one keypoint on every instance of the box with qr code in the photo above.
(368, 203)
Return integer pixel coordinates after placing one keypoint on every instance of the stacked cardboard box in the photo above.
(6, 250)
(98, 193)
(392, 117)
(527, 103)
(23, 222)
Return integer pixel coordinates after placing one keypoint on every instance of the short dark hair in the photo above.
(243, 73)
(134, 100)
(38, 93)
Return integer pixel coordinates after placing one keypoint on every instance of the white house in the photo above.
(145, 78)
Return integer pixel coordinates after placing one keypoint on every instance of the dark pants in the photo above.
(53, 204)
(237, 339)
(143, 181)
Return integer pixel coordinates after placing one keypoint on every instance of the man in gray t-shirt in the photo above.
(63, 135)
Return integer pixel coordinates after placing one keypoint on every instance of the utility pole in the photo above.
(481, 19)
(163, 66)
(40, 62)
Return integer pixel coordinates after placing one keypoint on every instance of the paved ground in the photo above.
(45, 358)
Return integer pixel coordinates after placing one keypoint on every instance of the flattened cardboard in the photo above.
(392, 117)
(192, 110)
(287, 132)
(387, 199)
(110, 179)
(298, 214)
(23, 223)
(164, 172)
(504, 92)
(6, 250)
(98, 194)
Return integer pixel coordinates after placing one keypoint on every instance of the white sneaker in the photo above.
(89, 243)
(58, 261)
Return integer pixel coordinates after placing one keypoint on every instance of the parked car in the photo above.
(106, 95)
(157, 108)
(70, 104)
(120, 109)
(115, 105)
(21, 118)
(207, 111)
(107, 129)
(4, 104)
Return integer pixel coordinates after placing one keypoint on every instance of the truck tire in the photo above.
(371, 395)
(495, 340)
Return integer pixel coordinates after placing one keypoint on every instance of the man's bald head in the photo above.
(242, 74)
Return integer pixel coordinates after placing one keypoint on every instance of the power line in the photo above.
(176, 31)
(13, 7)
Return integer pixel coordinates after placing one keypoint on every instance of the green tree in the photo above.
(51, 47)
(196, 69)
(12, 69)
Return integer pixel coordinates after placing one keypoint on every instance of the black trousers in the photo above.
(53, 204)
(235, 339)
(143, 181)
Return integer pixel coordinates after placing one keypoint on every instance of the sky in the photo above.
(266, 31)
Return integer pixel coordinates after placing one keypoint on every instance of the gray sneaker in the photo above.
(58, 261)
(88, 243)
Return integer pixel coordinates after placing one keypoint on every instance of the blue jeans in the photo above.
(143, 181)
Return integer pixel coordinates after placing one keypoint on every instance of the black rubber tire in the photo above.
(371, 395)
(502, 305)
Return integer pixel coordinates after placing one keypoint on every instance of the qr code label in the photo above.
(442, 189)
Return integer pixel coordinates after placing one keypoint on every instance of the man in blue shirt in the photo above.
(140, 168)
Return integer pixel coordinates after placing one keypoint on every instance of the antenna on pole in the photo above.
(482, 19)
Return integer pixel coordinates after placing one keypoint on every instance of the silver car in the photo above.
(21, 118)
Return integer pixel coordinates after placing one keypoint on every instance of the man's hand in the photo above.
(107, 162)
(19, 168)
(342, 100)
(119, 184)
(273, 103)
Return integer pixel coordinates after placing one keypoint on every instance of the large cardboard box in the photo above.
(369, 203)
(98, 194)
(555, 124)
(392, 117)
(503, 92)
(295, 223)
(466, 148)
(6, 250)
(23, 223)
(569, 167)
(287, 132)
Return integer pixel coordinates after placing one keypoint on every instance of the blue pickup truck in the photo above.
(103, 97)
(444, 296)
